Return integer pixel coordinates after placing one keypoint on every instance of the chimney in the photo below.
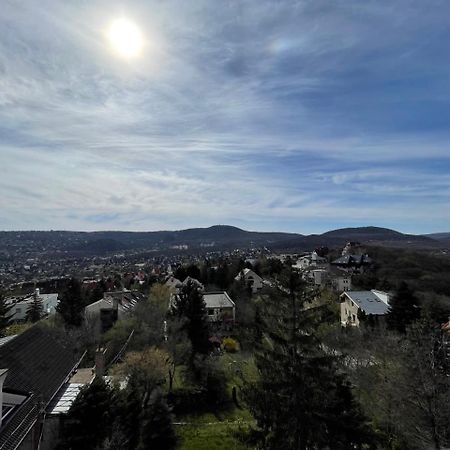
(36, 292)
(3, 373)
(100, 361)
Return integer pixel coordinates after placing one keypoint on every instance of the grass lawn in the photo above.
(216, 431)
(209, 432)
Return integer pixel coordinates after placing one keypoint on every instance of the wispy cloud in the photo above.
(287, 115)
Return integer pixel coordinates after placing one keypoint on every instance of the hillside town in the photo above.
(65, 337)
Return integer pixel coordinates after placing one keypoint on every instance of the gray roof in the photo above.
(368, 302)
(218, 300)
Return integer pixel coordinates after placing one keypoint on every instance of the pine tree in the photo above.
(300, 400)
(71, 306)
(403, 309)
(35, 309)
(156, 425)
(88, 422)
(5, 316)
(190, 304)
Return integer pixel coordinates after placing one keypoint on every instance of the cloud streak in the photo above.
(298, 116)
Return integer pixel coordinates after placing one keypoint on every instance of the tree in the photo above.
(403, 309)
(178, 346)
(146, 369)
(423, 388)
(301, 400)
(35, 309)
(71, 306)
(189, 303)
(5, 316)
(156, 425)
(88, 422)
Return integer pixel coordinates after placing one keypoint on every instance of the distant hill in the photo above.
(217, 237)
(365, 235)
(444, 238)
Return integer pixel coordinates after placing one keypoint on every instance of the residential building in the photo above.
(251, 279)
(34, 366)
(113, 306)
(20, 305)
(375, 303)
(219, 306)
(353, 262)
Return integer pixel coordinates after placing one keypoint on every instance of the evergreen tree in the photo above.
(5, 316)
(403, 309)
(71, 306)
(88, 422)
(301, 400)
(156, 425)
(190, 304)
(35, 309)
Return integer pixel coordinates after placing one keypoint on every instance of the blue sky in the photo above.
(269, 115)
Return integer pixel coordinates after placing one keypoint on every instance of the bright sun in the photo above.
(125, 38)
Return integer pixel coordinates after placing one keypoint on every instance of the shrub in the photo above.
(230, 345)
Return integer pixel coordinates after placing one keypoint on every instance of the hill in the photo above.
(444, 238)
(217, 237)
(365, 235)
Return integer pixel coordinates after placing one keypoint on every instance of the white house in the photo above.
(173, 283)
(20, 305)
(375, 303)
(113, 306)
(219, 306)
(310, 260)
(251, 279)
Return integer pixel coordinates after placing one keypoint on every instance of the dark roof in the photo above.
(36, 362)
(352, 260)
(39, 365)
(17, 427)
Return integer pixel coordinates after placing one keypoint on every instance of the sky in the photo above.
(300, 116)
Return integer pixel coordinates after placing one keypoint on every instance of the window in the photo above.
(210, 312)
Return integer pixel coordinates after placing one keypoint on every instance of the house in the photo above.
(173, 284)
(309, 260)
(194, 281)
(251, 279)
(219, 306)
(113, 306)
(355, 262)
(20, 305)
(340, 279)
(375, 303)
(33, 367)
(341, 283)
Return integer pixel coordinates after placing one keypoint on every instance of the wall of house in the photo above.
(218, 314)
(349, 313)
(254, 281)
(343, 284)
(19, 310)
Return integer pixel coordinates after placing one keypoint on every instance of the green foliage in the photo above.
(421, 270)
(301, 399)
(403, 309)
(16, 328)
(35, 309)
(5, 316)
(190, 305)
(230, 345)
(71, 305)
(88, 422)
(156, 425)
(424, 396)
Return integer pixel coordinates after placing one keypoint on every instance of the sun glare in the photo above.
(125, 38)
